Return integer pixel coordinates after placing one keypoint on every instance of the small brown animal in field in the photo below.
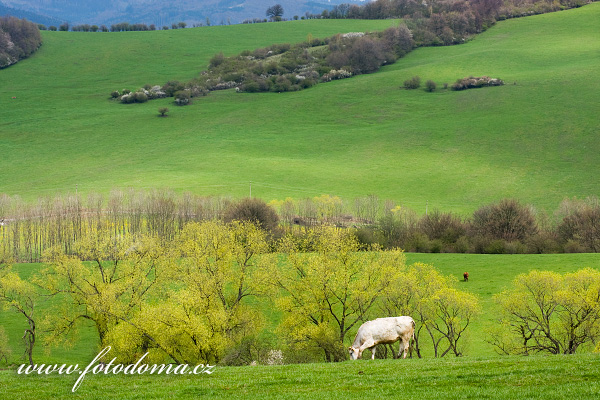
(466, 276)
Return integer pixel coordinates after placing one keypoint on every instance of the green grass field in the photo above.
(533, 139)
(535, 377)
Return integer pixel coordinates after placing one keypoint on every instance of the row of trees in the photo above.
(27, 229)
(447, 22)
(202, 297)
(504, 227)
(19, 39)
(119, 27)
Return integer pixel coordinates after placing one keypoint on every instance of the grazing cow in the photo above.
(383, 331)
(466, 276)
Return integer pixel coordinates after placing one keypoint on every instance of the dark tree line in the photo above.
(120, 27)
(450, 21)
(19, 39)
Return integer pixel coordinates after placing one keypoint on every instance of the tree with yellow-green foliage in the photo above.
(19, 296)
(324, 295)
(207, 309)
(109, 289)
(439, 309)
(544, 311)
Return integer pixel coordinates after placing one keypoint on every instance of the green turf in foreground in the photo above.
(534, 377)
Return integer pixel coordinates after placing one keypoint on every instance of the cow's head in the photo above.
(354, 353)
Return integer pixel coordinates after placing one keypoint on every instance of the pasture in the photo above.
(532, 139)
(534, 377)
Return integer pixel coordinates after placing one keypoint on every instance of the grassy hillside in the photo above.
(507, 378)
(532, 139)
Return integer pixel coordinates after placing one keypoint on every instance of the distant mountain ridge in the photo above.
(162, 13)
(30, 16)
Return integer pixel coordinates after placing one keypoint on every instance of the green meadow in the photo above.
(534, 377)
(533, 139)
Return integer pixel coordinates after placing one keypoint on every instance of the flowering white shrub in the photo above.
(476, 82)
(353, 35)
(336, 74)
(275, 357)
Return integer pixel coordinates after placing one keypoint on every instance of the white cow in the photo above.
(383, 331)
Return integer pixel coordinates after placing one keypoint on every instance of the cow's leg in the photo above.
(367, 345)
(373, 352)
(405, 345)
(402, 348)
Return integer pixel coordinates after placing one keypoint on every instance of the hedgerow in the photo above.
(284, 67)
(508, 226)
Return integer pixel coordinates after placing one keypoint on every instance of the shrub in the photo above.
(171, 87)
(430, 86)
(582, 224)
(497, 246)
(140, 97)
(253, 210)
(128, 98)
(233, 77)
(155, 92)
(114, 94)
(412, 83)
(419, 243)
(250, 86)
(515, 247)
(476, 82)
(436, 246)
(216, 60)
(182, 97)
(398, 40)
(365, 236)
(573, 246)
(507, 220)
(542, 243)
(163, 111)
(366, 55)
(336, 74)
(281, 84)
(443, 226)
(461, 245)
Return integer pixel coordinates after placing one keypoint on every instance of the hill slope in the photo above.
(534, 139)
